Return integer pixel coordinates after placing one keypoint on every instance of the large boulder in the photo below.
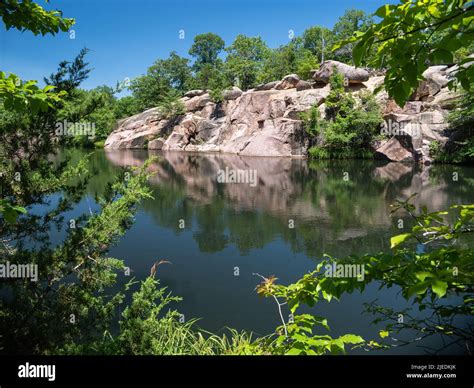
(307, 99)
(267, 86)
(352, 74)
(435, 79)
(419, 120)
(451, 71)
(232, 94)
(288, 82)
(397, 149)
(197, 102)
(445, 99)
(303, 85)
(156, 144)
(194, 93)
(137, 130)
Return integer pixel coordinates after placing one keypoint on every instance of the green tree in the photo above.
(175, 69)
(94, 108)
(319, 41)
(278, 62)
(211, 76)
(287, 59)
(206, 49)
(406, 37)
(353, 20)
(164, 80)
(305, 63)
(70, 74)
(245, 59)
(125, 107)
(20, 96)
(149, 90)
(91, 109)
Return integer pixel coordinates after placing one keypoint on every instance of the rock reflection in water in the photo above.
(325, 208)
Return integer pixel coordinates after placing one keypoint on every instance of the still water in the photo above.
(218, 235)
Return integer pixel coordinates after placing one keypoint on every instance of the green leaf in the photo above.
(383, 333)
(422, 275)
(327, 296)
(10, 212)
(294, 352)
(337, 346)
(466, 84)
(383, 11)
(358, 52)
(419, 288)
(398, 93)
(322, 321)
(439, 287)
(351, 339)
(10, 215)
(442, 56)
(397, 240)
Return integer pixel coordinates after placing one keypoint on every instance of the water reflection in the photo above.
(328, 203)
(229, 226)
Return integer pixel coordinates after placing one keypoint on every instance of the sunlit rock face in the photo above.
(266, 121)
(253, 123)
(423, 119)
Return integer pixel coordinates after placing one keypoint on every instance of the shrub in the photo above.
(216, 95)
(306, 62)
(350, 125)
(172, 106)
(311, 121)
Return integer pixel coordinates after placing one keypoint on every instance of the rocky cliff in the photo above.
(265, 121)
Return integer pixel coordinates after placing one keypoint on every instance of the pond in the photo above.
(272, 216)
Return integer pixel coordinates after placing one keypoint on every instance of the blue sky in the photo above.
(127, 36)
